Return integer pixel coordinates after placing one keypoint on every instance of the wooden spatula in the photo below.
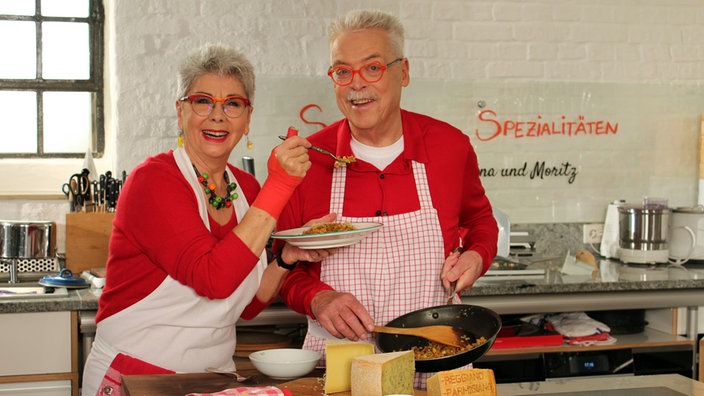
(447, 335)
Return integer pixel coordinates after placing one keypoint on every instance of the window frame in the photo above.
(94, 85)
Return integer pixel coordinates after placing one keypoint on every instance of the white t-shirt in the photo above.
(380, 157)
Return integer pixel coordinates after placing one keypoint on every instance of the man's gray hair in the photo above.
(370, 19)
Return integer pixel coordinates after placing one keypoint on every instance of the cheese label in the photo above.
(476, 382)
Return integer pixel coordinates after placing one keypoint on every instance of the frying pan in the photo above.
(475, 320)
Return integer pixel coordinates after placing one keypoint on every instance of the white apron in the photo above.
(388, 271)
(173, 314)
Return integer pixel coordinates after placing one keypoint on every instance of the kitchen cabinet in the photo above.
(645, 353)
(39, 352)
(561, 293)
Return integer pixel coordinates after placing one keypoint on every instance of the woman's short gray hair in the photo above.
(218, 59)
(370, 19)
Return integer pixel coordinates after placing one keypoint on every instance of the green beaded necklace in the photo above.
(209, 188)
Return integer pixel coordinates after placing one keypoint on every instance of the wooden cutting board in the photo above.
(313, 386)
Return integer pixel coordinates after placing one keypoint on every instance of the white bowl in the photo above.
(285, 363)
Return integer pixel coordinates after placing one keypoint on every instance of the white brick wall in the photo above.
(514, 47)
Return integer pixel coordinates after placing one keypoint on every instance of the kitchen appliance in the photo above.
(503, 244)
(25, 240)
(475, 320)
(687, 234)
(643, 233)
(610, 238)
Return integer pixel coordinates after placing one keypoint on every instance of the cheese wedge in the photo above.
(383, 374)
(475, 382)
(338, 362)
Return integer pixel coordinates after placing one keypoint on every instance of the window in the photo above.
(51, 78)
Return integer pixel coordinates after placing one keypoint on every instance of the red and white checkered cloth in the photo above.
(248, 391)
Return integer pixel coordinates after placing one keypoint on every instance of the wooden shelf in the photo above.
(648, 339)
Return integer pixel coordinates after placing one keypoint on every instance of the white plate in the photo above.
(327, 240)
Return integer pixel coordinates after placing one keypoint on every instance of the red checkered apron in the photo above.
(393, 271)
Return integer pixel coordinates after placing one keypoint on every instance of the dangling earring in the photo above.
(179, 140)
(249, 144)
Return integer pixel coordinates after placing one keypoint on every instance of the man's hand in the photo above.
(464, 268)
(342, 315)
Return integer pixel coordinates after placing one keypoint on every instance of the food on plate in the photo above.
(436, 350)
(323, 228)
(480, 382)
(383, 374)
(338, 363)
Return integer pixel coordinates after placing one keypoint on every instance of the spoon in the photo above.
(238, 377)
(342, 160)
(447, 335)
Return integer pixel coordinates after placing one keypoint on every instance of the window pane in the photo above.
(61, 61)
(13, 7)
(73, 8)
(67, 122)
(22, 46)
(18, 128)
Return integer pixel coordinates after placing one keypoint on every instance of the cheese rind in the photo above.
(338, 362)
(383, 374)
(475, 382)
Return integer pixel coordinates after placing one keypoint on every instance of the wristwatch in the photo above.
(281, 263)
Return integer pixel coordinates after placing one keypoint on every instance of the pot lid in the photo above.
(699, 209)
(636, 208)
(65, 278)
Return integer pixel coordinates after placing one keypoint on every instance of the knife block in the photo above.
(87, 240)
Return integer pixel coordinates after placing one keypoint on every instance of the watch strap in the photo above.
(281, 263)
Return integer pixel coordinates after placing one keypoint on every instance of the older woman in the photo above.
(187, 251)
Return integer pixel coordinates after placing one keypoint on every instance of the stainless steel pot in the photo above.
(643, 229)
(27, 239)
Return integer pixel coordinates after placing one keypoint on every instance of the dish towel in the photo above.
(248, 391)
(576, 327)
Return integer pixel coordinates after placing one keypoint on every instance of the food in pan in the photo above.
(323, 228)
(436, 350)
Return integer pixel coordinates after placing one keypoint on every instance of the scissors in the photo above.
(77, 190)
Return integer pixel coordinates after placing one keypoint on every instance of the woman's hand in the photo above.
(292, 156)
(287, 165)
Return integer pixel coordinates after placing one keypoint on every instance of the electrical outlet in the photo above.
(591, 233)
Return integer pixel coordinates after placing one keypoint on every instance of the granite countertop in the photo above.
(612, 276)
(76, 300)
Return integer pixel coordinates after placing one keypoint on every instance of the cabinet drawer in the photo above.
(35, 343)
(44, 388)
